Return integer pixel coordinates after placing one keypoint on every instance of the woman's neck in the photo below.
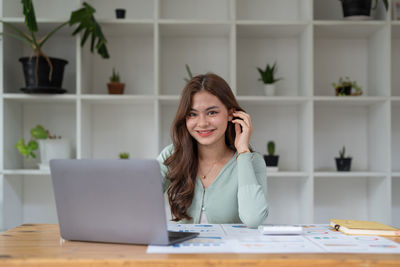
(213, 153)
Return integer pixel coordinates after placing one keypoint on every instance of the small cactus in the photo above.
(124, 155)
(271, 148)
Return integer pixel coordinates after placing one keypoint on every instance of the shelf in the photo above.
(396, 174)
(40, 98)
(349, 174)
(117, 99)
(346, 29)
(127, 28)
(348, 100)
(287, 174)
(194, 30)
(273, 100)
(44, 25)
(26, 172)
(271, 30)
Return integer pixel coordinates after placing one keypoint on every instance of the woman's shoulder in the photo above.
(166, 152)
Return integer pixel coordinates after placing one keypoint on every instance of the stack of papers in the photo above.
(237, 238)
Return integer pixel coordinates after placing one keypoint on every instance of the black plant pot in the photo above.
(120, 13)
(343, 164)
(271, 161)
(357, 8)
(343, 90)
(43, 85)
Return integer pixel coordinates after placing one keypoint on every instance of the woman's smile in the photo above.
(205, 133)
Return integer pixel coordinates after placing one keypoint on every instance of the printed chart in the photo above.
(237, 238)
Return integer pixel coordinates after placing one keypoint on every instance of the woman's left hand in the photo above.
(243, 128)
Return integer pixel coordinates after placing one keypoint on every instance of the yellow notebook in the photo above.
(355, 227)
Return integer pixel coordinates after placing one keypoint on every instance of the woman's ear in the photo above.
(230, 114)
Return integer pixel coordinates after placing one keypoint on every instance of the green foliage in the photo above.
(268, 75)
(36, 133)
(83, 17)
(124, 155)
(346, 82)
(114, 78)
(189, 73)
(271, 148)
(342, 152)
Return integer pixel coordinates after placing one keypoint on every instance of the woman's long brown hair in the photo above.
(183, 163)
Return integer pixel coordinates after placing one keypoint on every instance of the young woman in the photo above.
(210, 173)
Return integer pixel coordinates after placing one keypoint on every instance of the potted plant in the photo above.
(343, 164)
(268, 78)
(50, 146)
(189, 73)
(359, 9)
(120, 13)
(115, 86)
(271, 160)
(346, 87)
(124, 155)
(44, 74)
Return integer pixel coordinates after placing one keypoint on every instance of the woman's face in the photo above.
(208, 119)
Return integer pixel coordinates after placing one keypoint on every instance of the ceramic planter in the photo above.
(53, 149)
(116, 88)
(120, 13)
(356, 9)
(269, 89)
(41, 84)
(343, 164)
(272, 163)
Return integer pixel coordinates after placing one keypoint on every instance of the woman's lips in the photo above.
(205, 133)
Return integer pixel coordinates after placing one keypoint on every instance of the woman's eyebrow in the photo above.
(211, 107)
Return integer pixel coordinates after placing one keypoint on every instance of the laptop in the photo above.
(112, 200)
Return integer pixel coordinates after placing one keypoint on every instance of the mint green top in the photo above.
(237, 195)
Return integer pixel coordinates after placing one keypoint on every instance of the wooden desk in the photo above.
(39, 245)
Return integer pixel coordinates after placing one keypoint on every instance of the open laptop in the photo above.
(112, 200)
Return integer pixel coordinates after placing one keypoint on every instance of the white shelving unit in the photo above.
(312, 46)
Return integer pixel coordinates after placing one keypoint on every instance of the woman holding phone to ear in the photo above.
(209, 172)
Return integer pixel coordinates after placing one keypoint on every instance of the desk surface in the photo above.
(39, 245)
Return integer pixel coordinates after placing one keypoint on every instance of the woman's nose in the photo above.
(203, 120)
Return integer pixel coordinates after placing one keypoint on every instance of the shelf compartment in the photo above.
(135, 9)
(348, 101)
(296, 206)
(363, 130)
(32, 98)
(31, 172)
(111, 128)
(395, 59)
(352, 198)
(132, 56)
(396, 202)
(272, 10)
(117, 99)
(202, 46)
(332, 10)
(58, 117)
(287, 45)
(195, 10)
(289, 126)
(61, 45)
(368, 45)
(59, 8)
(395, 144)
(273, 100)
(23, 202)
(349, 174)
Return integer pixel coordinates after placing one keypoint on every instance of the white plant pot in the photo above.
(269, 89)
(272, 169)
(53, 149)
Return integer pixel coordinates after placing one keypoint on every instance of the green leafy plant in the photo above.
(124, 155)
(268, 75)
(37, 133)
(342, 152)
(115, 78)
(189, 73)
(82, 17)
(346, 82)
(385, 3)
(271, 148)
